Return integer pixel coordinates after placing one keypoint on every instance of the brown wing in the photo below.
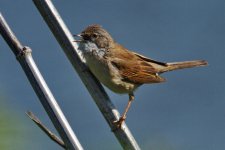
(135, 68)
(161, 64)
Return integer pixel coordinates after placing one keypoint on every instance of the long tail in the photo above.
(182, 65)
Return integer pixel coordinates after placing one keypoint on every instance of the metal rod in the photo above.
(23, 55)
(64, 37)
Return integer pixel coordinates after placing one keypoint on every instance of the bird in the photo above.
(122, 70)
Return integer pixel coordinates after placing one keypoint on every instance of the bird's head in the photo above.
(96, 34)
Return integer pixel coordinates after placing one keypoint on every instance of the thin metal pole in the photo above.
(65, 39)
(23, 55)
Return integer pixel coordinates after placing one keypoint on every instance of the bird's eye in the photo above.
(95, 35)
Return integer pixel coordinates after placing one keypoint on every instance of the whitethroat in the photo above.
(120, 69)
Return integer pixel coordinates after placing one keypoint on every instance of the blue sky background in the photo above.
(185, 113)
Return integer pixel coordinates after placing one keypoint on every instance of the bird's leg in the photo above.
(123, 117)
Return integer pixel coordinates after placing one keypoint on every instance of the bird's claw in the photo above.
(118, 123)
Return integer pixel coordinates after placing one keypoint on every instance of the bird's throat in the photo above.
(90, 48)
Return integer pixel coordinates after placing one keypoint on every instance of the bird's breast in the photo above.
(104, 71)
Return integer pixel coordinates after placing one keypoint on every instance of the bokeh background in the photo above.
(185, 113)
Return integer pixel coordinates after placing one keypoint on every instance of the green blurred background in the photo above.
(185, 113)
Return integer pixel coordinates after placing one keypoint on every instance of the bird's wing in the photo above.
(134, 67)
(150, 60)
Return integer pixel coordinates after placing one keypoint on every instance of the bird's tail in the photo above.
(182, 65)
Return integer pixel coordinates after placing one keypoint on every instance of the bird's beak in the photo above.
(78, 35)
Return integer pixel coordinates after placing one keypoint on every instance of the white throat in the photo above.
(90, 48)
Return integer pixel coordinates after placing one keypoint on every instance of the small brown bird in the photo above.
(119, 69)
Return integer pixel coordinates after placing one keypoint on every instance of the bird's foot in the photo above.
(118, 123)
